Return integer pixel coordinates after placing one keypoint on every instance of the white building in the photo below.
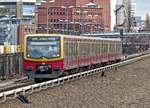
(133, 9)
(113, 16)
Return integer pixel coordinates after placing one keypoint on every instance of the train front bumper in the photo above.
(53, 74)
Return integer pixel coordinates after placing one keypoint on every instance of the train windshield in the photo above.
(43, 47)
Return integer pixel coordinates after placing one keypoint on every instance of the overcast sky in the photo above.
(143, 7)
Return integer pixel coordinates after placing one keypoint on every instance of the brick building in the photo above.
(78, 16)
(24, 29)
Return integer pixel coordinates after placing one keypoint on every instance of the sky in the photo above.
(143, 7)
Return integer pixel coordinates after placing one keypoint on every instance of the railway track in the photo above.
(16, 84)
(29, 88)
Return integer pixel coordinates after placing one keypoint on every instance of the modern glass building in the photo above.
(24, 8)
(14, 13)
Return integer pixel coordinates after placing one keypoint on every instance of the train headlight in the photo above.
(28, 55)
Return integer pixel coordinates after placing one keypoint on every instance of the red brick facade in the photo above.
(24, 30)
(106, 14)
(75, 16)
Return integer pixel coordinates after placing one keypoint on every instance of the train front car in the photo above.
(43, 57)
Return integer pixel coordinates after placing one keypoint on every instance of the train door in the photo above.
(100, 50)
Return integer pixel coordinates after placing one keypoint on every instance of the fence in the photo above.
(11, 65)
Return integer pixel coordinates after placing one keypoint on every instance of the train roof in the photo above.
(79, 37)
(116, 34)
(92, 38)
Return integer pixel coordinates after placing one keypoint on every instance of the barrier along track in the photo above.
(12, 94)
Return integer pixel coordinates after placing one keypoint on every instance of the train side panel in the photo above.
(80, 52)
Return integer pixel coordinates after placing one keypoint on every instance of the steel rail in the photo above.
(44, 85)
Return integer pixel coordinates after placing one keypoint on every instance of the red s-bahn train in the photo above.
(53, 55)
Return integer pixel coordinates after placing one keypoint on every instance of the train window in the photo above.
(100, 47)
(120, 47)
(116, 47)
(92, 48)
(76, 49)
(95, 48)
(87, 48)
(71, 48)
(43, 47)
(66, 49)
(106, 50)
(100, 44)
(104, 47)
(111, 48)
(83, 48)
